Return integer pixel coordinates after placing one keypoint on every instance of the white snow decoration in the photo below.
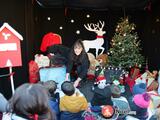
(60, 27)
(49, 18)
(88, 16)
(78, 32)
(72, 21)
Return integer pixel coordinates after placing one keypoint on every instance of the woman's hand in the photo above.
(76, 83)
(67, 77)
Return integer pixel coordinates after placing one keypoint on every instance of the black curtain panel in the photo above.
(14, 13)
(50, 3)
(96, 4)
(151, 36)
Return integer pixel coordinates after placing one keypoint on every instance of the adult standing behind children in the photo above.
(77, 59)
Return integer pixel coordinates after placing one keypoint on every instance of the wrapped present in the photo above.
(153, 86)
(53, 73)
(142, 78)
(41, 60)
(33, 72)
(151, 77)
(155, 97)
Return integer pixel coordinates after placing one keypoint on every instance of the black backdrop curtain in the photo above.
(95, 4)
(33, 21)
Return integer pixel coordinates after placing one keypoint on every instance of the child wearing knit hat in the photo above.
(140, 103)
(119, 101)
(139, 88)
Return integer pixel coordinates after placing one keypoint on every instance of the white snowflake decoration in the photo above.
(88, 16)
(78, 31)
(72, 21)
(48, 18)
(60, 27)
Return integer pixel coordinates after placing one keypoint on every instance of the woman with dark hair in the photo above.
(77, 59)
(29, 102)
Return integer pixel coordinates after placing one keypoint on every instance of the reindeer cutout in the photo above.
(99, 41)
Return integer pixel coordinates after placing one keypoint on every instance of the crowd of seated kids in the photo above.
(43, 101)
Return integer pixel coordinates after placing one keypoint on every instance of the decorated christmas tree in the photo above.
(125, 47)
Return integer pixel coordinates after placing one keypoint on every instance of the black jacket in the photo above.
(101, 96)
(59, 50)
(81, 67)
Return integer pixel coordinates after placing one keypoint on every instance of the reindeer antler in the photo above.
(100, 27)
(95, 27)
(91, 27)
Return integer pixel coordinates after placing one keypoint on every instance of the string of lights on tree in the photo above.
(125, 47)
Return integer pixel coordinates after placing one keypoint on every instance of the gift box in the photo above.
(53, 73)
(155, 98)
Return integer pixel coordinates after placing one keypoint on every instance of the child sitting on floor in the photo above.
(140, 103)
(51, 87)
(72, 102)
(119, 102)
(102, 93)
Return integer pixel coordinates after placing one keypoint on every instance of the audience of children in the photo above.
(29, 102)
